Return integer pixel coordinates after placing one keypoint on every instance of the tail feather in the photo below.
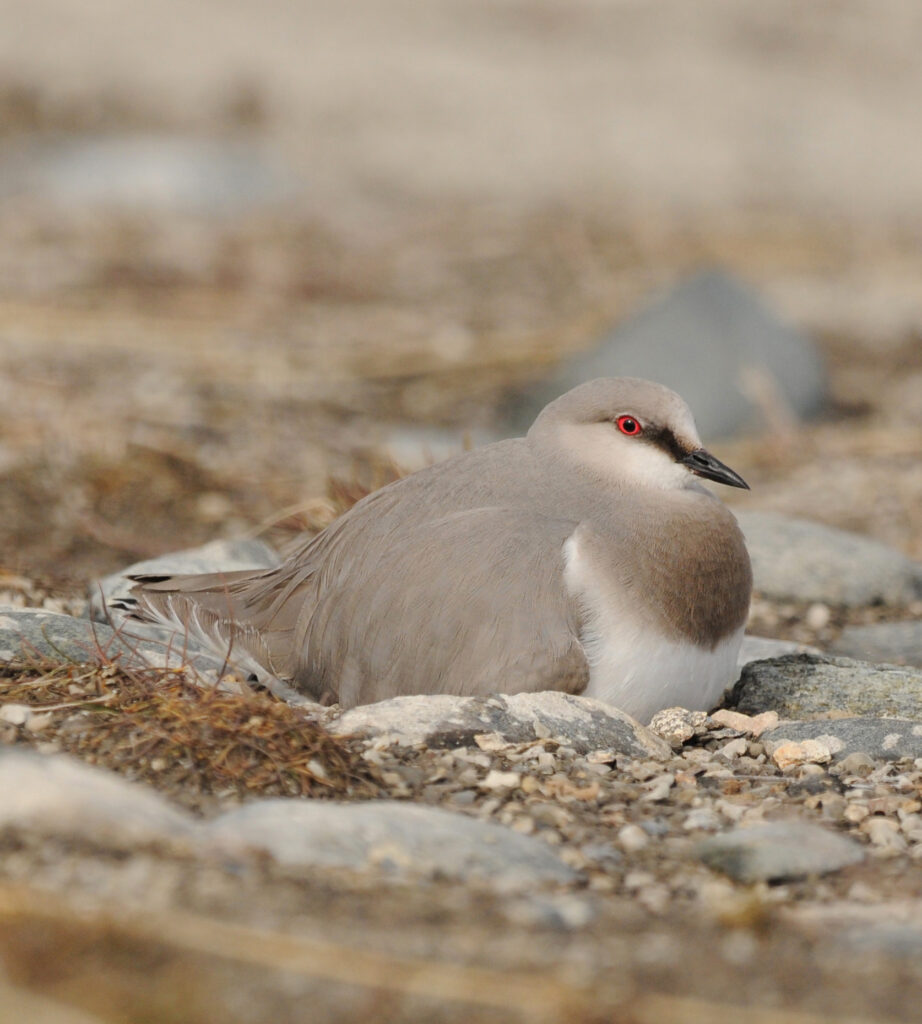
(218, 611)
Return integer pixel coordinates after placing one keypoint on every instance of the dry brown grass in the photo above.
(199, 744)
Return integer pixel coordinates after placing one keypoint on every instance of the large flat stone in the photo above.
(447, 721)
(400, 839)
(804, 685)
(795, 559)
(27, 633)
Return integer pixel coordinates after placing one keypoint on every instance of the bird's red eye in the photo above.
(628, 425)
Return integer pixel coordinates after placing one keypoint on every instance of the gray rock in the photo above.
(157, 173)
(446, 721)
(778, 850)
(763, 648)
(58, 796)
(803, 685)
(887, 739)
(899, 643)
(396, 838)
(712, 340)
(29, 633)
(218, 556)
(795, 559)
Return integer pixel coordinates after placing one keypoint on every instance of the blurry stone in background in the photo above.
(898, 643)
(147, 172)
(800, 560)
(739, 367)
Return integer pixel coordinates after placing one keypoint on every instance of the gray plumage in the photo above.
(455, 579)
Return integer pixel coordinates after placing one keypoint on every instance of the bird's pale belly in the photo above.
(632, 665)
(641, 673)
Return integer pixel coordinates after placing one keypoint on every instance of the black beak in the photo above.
(702, 463)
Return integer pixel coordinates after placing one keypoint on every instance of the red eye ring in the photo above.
(629, 425)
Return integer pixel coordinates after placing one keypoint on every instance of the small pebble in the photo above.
(857, 763)
(754, 725)
(703, 818)
(911, 826)
(638, 879)
(733, 749)
(791, 754)
(659, 788)
(15, 714)
(632, 838)
(885, 835)
(818, 616)
(39, 722)
(676, 725)
(491, 741)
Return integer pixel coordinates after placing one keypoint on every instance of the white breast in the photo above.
(633, 666)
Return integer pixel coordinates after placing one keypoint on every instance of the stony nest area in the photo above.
(180, 846)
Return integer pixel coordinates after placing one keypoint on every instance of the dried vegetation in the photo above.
(200, 744)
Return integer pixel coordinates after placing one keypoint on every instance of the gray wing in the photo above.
(469, 603)
(424, 537)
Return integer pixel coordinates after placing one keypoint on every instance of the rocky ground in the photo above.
(235, 279)
(529, 857)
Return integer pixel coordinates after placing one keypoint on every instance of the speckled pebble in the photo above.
(676, 725)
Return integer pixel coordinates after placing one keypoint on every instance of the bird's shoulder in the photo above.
(501, 473)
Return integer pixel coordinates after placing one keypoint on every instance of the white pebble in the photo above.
(501, 780)
(491, 741)
(884, 832)
(15, 714)
(703, 818)
(733, 749)
(633, 838)
(818, 616)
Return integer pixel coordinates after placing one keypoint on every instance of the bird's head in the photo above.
(630, 431)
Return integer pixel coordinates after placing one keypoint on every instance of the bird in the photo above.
(586, 557)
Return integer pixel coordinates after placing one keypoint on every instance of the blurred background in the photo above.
(244, 246)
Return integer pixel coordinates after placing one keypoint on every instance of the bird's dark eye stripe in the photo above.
(664, 438)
